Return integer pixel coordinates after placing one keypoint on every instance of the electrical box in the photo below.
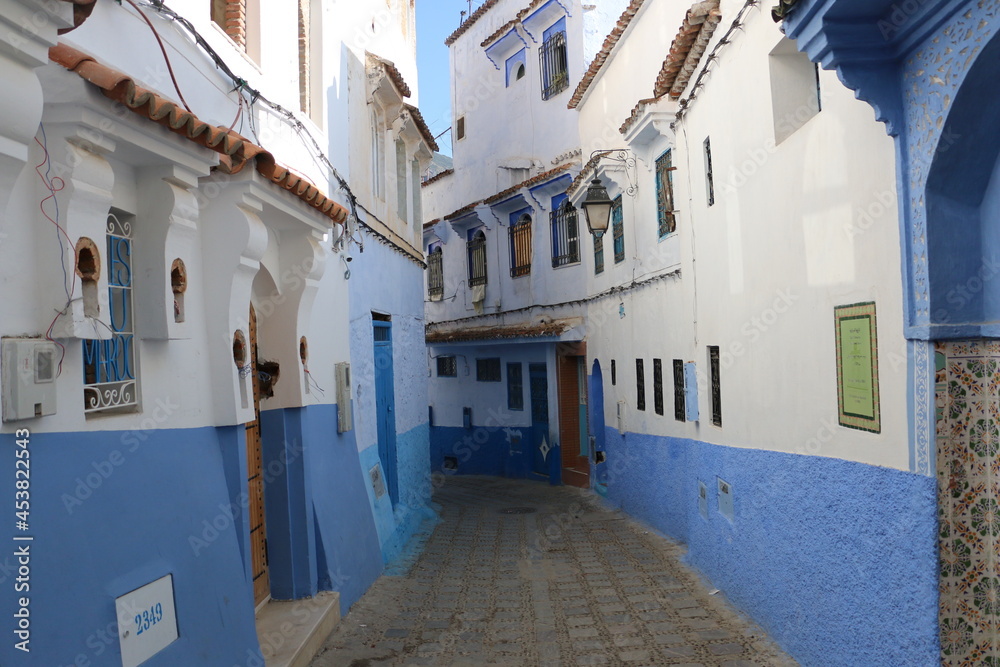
(345, 420)
(726, 507)
(29, 378)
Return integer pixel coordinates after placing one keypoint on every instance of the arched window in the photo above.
(435, 273)
(520, 247)
(477, 258)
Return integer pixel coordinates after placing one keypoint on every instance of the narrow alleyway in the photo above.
(527, 574)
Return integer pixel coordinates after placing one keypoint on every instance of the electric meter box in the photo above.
(29, 378)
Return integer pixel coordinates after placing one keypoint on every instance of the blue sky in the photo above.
(436, 19)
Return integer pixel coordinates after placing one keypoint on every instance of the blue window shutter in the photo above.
(691, 390)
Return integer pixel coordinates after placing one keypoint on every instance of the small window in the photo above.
(658, 386)
(488, 370)
(460, 129)
(110, 369)
(709, 178)
(515, 387)
(447, 367)
(565, 234)
(680, 409)
(618, 229)
(714, 367)
(435, 273)
(520, 247)
(640, 385)
(614, 373)
(667, 223)
(515, 66)
(554, 61)
(477, 258)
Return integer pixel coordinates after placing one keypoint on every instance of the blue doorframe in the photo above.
(385, 406)
(597, 429)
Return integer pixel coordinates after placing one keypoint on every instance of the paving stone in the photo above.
(489, 589)
(725, 649)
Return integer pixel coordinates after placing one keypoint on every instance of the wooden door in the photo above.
(572, 429)
(255, 483)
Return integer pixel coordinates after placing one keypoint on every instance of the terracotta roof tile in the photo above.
(506, 331)
(425, 131)
(634, 116)
(534, 180)
(462, 211)
(501, 31)
(437, 177)
(468, 23)
(235, 150)
(605, 52)
(431, 223)
(394, 74)
(688, 48)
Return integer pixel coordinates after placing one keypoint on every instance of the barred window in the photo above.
(488, 370)
(618, 229)
(109, 366)
(554, 64)
(435, 273)
(640, 385)
(477, 259)
(658, 386)
(447, 367)
(515, 387)
(714, 366)
(709, 177)
(667, 223)
(680, 409)
(565, 235)
(520, 247)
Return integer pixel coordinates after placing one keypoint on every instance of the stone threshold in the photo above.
(292, 632)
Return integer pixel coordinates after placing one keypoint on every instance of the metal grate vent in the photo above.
(518, 510)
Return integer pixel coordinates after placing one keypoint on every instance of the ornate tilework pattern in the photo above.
(923, 370)
(967, 387)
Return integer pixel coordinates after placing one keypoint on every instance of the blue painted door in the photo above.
(385, 406)
(597, 428)
(539, 382)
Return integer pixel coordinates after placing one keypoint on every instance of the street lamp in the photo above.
(597, 208)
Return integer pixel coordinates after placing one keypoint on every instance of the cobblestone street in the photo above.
(521, 573)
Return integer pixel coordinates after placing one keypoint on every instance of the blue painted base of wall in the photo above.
(483, 451)
(347, 548)
(397, 525)
(113, 511)
(836, 560)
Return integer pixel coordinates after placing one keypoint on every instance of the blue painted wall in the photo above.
(836, 560)
(346, 541)
(113, 511)
(482, 450)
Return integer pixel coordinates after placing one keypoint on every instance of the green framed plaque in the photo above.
(857, 367)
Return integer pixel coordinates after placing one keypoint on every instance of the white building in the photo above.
(755, 199)
(182, 186)
(733, 345)
(506, 266)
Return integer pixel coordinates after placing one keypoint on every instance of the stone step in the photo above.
(292, 632)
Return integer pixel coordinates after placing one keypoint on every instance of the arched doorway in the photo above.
(597, 428)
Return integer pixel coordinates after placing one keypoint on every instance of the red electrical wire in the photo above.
(163, 48)
(51, 186)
